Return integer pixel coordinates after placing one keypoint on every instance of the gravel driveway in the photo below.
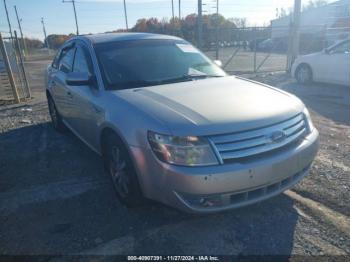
(55, 198)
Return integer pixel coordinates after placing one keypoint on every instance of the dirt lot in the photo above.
(55, 198)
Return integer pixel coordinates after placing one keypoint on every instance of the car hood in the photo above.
(214, 105)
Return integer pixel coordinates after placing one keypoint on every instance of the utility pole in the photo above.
(172, 10)
(217, 30)
(126, 16)
(75, 13)
(46, 41)
(24, 46)
(8, 19)
(199, 25)
(179, 9)
(295, 39)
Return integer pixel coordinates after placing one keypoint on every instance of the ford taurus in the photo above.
(172, 126)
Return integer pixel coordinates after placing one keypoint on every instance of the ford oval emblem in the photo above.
(277, 136)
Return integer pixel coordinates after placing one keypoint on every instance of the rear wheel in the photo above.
(304, 74)
(120, 168)
(56, 118)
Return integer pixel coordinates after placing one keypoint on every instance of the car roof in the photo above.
(113, 37)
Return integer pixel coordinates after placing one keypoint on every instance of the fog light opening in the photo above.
(209, 202)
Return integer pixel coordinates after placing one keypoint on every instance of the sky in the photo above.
(97, 16)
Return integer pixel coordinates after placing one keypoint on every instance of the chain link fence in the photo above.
(13, 80)
(265, 49)
(247, 50)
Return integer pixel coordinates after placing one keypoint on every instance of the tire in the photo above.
(56, 118)
(303, 74)
(120, 168)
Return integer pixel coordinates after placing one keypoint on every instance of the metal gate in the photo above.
(248, 50)
(13, 80)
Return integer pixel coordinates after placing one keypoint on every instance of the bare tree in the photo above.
(312, 4)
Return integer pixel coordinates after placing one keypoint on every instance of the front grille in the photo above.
(258, 141)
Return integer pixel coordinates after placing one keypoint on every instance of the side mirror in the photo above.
(79, 79)
(218, 63)
(326, 51)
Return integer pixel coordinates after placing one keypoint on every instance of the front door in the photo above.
(86, 113)
(339, 64)
(58, 82)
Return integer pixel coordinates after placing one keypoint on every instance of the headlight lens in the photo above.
(185, 151)
(309, 123)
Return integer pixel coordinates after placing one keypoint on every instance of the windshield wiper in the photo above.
(186, 77)
(144, 83)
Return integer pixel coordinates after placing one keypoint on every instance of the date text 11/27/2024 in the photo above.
(173, 258)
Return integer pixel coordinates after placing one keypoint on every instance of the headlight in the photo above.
(309, 123)
(184, 151)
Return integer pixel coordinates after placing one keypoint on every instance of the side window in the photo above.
(82, 62)
(66, 62)
(343, 48)
(55, 60)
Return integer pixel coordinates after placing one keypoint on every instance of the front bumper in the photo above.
(221, 187)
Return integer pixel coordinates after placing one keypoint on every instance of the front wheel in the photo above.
(304, 74)
(120, 167)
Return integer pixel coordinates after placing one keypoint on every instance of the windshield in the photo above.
(138, 63)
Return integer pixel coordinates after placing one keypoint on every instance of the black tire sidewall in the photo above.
(59, 125)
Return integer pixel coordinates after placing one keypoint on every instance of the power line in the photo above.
(75, 13)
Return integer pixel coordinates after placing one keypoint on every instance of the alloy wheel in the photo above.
(304, 75)
(118, 171)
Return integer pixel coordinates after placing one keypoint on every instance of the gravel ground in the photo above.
(55, 198)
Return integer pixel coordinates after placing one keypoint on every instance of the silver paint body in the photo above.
(204, 107)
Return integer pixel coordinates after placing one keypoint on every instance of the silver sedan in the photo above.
(172, 126)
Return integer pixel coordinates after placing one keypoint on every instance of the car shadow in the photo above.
(56, 199)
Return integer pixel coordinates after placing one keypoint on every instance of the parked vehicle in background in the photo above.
(255, 43)
(172, 126)
(266, 45)
(331, 65)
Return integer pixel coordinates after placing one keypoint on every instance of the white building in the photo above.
(332, 20)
